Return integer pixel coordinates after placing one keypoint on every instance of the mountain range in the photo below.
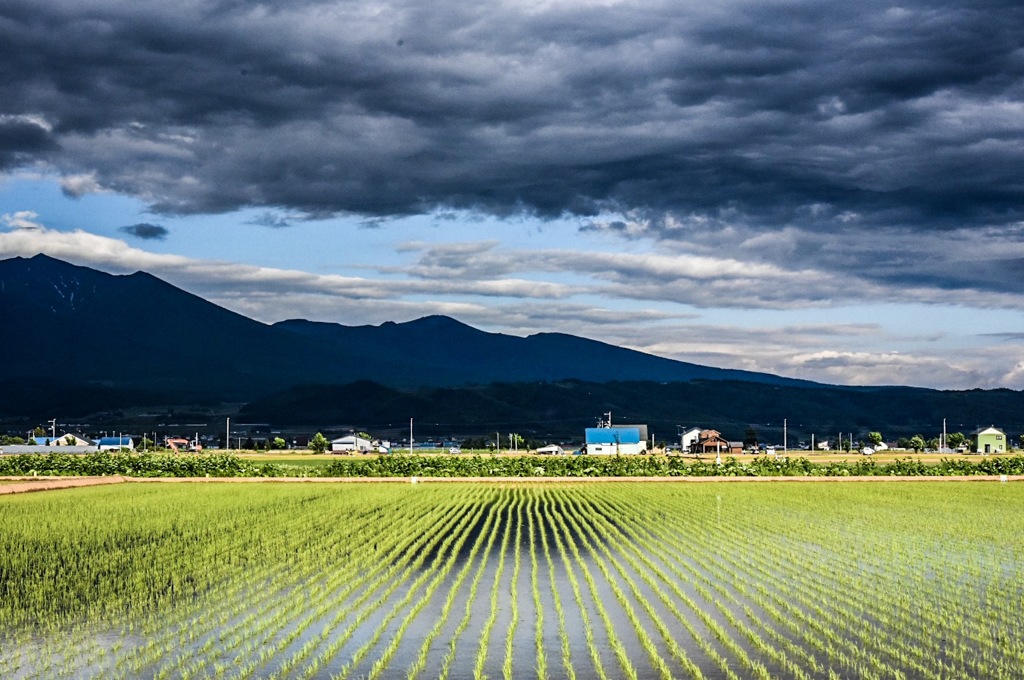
(76, 341)
(78, 325)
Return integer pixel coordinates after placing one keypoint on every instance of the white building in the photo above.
(689, 438)
(351, 443)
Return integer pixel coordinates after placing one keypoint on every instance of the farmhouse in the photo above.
(351, 443)
(616, 440)
(70, 440)
(711, 441)
(688, 438)
(988, 440)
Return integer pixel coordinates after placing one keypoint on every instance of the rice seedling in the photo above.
(801, 581)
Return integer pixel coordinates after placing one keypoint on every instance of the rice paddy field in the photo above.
(503, 580)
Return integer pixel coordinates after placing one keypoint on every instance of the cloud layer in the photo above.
(742, 113)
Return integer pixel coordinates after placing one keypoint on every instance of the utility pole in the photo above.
(785, 435)
(410, 436)
(227, 438)
(53, 428)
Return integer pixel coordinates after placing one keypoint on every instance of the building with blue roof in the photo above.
(616, 440)
(116, 443)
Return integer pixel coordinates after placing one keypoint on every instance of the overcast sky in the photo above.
(831, 191)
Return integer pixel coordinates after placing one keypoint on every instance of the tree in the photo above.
(278, 443)
(917, 443)
(933, 443)
(875, 438)
(955, 440)
(319, 443)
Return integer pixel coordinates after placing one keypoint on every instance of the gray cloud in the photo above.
(145, 231)
(761, 115)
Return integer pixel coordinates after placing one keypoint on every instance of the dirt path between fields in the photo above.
(13, 485)
(9, 485)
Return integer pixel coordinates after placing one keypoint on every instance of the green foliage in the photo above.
(955, 440)
(875, 438)
(319, 443)
(917, 443)
(278, 443)
(228, 465)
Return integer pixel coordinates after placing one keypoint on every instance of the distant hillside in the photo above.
(110, 341)
(563, 409)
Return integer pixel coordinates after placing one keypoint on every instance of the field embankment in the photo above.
(228, 465)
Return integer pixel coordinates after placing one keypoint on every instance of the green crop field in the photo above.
(578, 580)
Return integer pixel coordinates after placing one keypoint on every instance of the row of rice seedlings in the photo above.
(855, 642)
(320, 593)
(647, 569)
(538, 607)
(164, 611)
(266, 601)
(431, 578)
(847, 603)
(585, 529)
(363, 563)
(225, 631)
(761, 644)
(711, 562)
(542, 510)
(513, 596)
(628, 670)
(267, 606)
(639, 535)
(948, 609)
(67, 642)
(900, 643)
(328, 642)
(634, 541)
(449, 657)
(958, 568)
(487, 533)
(719, 632)
(485, 633)
(567, 564)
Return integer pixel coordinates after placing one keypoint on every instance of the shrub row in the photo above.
(229, 465)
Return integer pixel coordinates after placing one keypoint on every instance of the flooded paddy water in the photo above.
(624, 580)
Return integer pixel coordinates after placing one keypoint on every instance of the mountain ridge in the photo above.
(137, 330)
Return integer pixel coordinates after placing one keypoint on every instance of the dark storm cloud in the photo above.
(146, 231)
(823, 117)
